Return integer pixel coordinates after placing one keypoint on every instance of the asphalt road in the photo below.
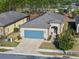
(12, 56)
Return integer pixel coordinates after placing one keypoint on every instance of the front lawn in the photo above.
(4, 50)
(76, 46)
(50, 46)
(47, 45)
(8, 44)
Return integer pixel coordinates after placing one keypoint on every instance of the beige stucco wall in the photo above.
(17, 24)
(62, 27)
(1, 30)
(10, 28)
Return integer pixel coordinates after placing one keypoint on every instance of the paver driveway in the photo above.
(28, 46)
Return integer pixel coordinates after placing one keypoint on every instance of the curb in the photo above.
(48, 50)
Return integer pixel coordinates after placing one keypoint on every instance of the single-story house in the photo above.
(42, 27)
(11, 20)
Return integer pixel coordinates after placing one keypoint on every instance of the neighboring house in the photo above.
(74, 6)
(11, 20)
(77, 23)
(43, 26)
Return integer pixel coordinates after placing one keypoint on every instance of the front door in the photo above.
(54, 30)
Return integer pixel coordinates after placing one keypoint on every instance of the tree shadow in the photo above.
(56, 42)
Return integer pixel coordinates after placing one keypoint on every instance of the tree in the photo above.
(76, 11)
(66, 40)
(15, 4)
(7, 5)
(43, 4)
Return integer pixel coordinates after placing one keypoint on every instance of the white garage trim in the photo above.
(77, 28)
(45, 31)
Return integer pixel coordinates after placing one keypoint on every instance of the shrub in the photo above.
(3, 36)
(18, 37)
(49, 38)
(16, 29)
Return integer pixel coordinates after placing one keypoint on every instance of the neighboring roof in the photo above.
(74, 6)
(10, 17)
(44, 20)
(77, 19)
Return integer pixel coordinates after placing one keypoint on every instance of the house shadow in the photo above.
(72, 25)
(55, 42)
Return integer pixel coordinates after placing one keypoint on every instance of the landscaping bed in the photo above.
(8, 44)
(15, 36)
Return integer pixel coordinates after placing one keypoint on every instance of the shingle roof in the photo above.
(10, 17)
(74, 6)
(42, 21)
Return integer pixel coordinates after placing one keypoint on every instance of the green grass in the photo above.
(49, 38)
(8, 44)
(76, 46)
(3, 50)
(51, 46)
(47, 45)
